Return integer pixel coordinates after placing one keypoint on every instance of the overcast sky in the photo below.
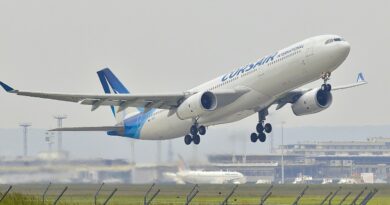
(172, 46)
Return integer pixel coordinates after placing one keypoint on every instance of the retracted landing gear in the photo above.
(195, 131)
(261, 128)
(326, 87)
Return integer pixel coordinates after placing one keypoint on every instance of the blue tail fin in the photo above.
(105, 76)
(111, 84)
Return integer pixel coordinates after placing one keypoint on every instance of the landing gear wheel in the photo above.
(194, 130)
(254, 137)
(187, 139)
(196, 139)
(262, 137)
(202, 130)
(262, 127)
(259, 127)
(268, 128)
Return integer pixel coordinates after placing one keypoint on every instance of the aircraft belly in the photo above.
(165, 127)
(168, 127)
(203, 180)
(243, 107)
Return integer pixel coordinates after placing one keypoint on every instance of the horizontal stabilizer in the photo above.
(103, 128)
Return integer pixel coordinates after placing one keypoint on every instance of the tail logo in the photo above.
(360, 78)
(109, 80)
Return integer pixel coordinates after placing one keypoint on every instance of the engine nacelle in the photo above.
(311, 102)
(196, 105)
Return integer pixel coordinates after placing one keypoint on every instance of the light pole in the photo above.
(49, 140)
(132, 148)
(271, 138)
(59, 119)
(351, 168)
(25, 126)
(158, 156)
(283, 152)
(170, 151)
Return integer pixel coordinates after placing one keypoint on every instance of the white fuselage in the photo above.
(290, 68)
(209, 177)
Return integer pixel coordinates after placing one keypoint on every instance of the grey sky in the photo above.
(167, 46)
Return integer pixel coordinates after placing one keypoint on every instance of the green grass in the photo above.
(175, 194)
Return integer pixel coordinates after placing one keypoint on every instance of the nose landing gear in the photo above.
(195, 131)
(326, 87)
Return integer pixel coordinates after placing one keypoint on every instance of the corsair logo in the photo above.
(249, 67)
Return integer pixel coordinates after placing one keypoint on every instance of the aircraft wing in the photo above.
(294, 95)
(360, 81)
(163, 101)
(147, 101)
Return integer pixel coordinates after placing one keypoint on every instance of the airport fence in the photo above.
(8, 197)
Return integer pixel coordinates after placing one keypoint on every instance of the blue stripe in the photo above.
(133, 125)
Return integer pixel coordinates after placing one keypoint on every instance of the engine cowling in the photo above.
(311, 102)
(197, 105)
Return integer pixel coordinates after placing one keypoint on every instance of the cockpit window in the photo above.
(333, 40)
(329, 41)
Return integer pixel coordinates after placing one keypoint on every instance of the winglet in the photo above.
(360, 78)
(6, 87)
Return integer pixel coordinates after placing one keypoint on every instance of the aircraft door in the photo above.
(309, 50)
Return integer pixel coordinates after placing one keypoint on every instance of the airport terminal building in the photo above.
(320, 160)
(335, 160)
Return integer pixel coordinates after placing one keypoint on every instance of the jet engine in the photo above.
(197, 105)
(312, 102)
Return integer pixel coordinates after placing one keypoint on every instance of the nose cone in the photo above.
(344, 48)
(340, 52)
(243, 179)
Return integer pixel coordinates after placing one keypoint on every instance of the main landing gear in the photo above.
(195, 131)
(261, 128)
(326, 87)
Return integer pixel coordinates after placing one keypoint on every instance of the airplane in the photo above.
(187, 176)
(253, 88)
(206, 177)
